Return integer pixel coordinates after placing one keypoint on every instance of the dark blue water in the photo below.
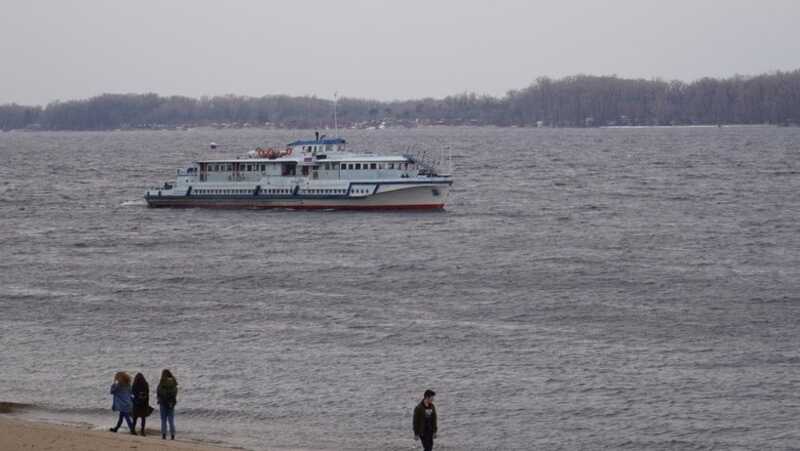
(584, 289)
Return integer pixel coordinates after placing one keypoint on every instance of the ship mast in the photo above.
(335, 124)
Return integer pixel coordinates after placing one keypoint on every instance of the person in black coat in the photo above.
(167, 394)
(140, 392)
(425, 421)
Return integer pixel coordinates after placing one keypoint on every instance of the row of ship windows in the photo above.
(228, 191)
(242, 168)
(328, 147)
(328, 167)
(280, 191)
(327, 191)
(360, 166)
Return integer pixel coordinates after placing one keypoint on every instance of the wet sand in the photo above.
(17, 434)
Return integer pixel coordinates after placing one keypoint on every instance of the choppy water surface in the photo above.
(618, 288)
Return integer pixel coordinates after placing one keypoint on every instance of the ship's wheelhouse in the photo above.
(315, 146)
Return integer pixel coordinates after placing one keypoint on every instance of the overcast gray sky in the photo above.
(377, 49)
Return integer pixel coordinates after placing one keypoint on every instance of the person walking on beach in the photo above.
(167, 393)
(425, 420)
(141, 400)
(121, 389)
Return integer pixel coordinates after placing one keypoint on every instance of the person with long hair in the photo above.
(141, 400)
(167, 394)
(121, 389)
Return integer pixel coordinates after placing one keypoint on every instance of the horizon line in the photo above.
(338, 97)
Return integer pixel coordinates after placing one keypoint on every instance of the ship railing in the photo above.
(426, 166)
(165, 187)
(431, 161)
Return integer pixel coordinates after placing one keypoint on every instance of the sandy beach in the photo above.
(17, 434)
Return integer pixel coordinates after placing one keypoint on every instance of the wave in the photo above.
(12, 407)
(134, 203)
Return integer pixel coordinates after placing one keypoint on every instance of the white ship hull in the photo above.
(408, 195)
(312, 174)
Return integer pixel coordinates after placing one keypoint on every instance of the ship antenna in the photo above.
(335, 123)
(450, 160)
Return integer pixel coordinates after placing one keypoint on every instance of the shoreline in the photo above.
(187, 128)
(22, 434)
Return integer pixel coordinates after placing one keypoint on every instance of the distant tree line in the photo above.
(576, 101)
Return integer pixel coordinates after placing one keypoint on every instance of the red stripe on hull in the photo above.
(302, 207)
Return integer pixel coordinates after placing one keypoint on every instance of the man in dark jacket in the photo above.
(425, 420)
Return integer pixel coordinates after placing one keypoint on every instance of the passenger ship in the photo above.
(310, 174)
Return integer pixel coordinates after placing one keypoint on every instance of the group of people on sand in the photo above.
(132, 401)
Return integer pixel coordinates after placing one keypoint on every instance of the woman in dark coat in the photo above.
(167, 394)
(141, 400)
